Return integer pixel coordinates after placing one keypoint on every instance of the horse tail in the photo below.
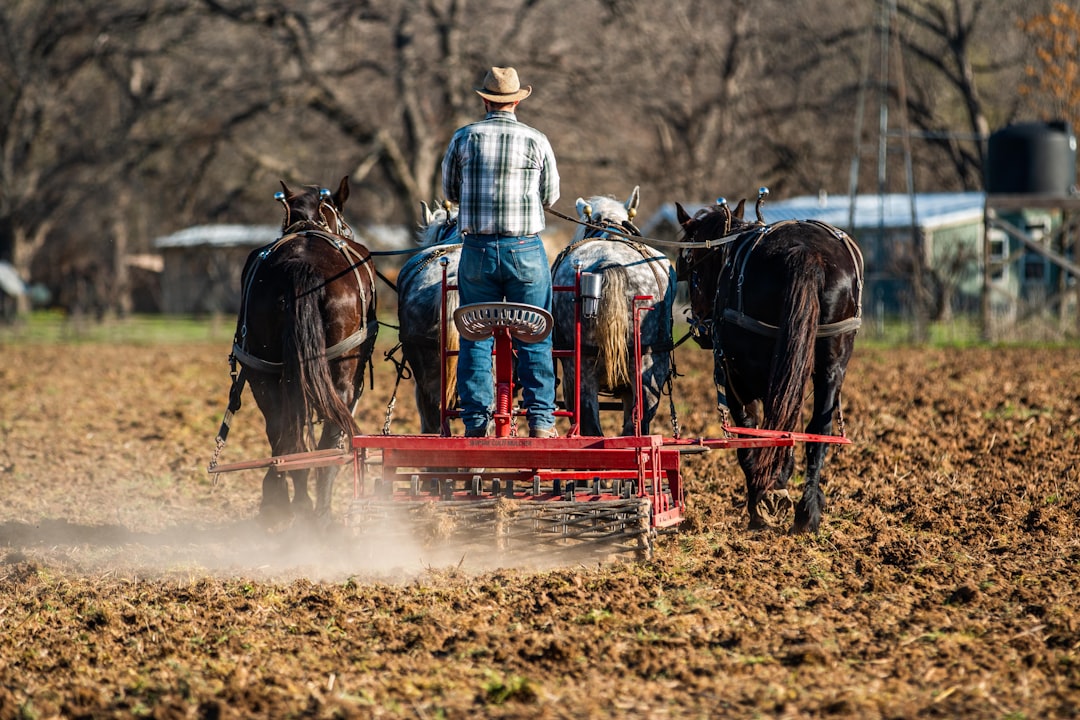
(613, 328)
(308, 384)
(793, 360)
(453, 343)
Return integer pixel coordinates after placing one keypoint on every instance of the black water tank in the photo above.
(1032, 157)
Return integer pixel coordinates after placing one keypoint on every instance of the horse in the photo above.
(304, 336)
(779, 304)
(628, 268)
(420, 310)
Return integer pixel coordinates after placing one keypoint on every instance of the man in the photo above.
(502, 175)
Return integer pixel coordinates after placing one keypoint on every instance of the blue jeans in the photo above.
(494, 268)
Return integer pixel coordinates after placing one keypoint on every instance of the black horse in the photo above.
(304, 338)
(778, 304)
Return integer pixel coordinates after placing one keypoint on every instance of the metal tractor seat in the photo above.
(527, 323)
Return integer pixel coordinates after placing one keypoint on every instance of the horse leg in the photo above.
(655, 373)
(428, 402)
(349, 386)
(626, 395)
(325, 476)
(590, 399)
(274, 505)
(567, 385)
(745, 456)
(424, 363)
(301, 501)
(811, 506)
(766, 508)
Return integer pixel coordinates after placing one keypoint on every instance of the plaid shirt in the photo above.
(502, 175)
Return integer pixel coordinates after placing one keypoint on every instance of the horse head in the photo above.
(605, 212)
(315, 208)
(437, 226)
(700, 266)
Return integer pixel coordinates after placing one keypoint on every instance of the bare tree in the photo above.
(125, 119)
(71, 98)
(966, 59)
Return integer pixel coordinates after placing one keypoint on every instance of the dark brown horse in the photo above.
(778, 304)
(304, 339)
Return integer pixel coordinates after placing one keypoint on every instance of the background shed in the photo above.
(950, 225)
(202, 265)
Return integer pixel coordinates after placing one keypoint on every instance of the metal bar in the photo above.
(639, 308)
(293, 461)
(444, 411)
(687, 445)
(797, 436)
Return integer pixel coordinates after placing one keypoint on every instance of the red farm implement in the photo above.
(537, 498)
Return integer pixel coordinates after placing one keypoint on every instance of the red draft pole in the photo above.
(444, 411)
(504, 383)
(575, 428)
(639, 308)
(573, 407)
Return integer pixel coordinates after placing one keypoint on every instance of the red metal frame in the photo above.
(561, 468)
(583, 469)
(575, 468)
(505, 392)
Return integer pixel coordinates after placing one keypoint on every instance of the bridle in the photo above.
(329, 220)
(691, 259)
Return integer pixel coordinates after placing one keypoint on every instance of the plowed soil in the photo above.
(943, 583)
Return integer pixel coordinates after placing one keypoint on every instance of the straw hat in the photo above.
(501, 85)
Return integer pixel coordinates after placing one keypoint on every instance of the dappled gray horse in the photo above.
(628, 268)
(419, 311)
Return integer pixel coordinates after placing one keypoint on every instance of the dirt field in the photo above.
(944, 582)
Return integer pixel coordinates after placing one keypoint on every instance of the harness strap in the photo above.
(332, 353)
(742, 257)
(355, 259)
(762, 328)
(235, 393)
(252, 362)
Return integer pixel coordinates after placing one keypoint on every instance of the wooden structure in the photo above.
(202, 264)
(1031, 276)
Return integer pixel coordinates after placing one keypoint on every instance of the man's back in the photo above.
(502, 174)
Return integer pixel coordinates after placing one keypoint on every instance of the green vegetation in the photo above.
(55, 327)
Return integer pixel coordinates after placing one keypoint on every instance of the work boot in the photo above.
(543, 432)
(476, 432)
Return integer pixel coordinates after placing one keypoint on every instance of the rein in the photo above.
(647, 240)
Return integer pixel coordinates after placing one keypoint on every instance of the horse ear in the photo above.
(632, 201)
(342, 193)
(580, 204)
(681, 214)
(285, 187)
(739, 209)
(426, 216)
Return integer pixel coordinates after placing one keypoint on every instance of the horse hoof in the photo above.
(271, 517)
(774, 507)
